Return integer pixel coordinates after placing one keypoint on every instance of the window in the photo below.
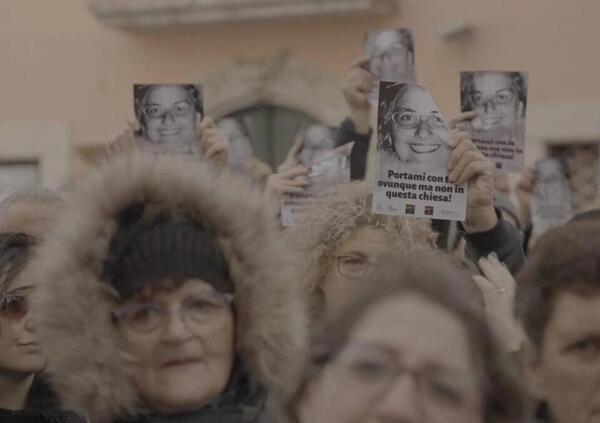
(15, 176)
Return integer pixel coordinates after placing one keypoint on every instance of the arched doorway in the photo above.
(276, 96)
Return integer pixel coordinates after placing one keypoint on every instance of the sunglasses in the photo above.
(14, 307)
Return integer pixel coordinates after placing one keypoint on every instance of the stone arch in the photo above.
(280, 80)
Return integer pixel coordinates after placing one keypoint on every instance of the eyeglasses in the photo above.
(183, 108)
(395, 50)
(14, 307)
(352, 266)
(500, 97)
(410, 120)
(196, 312)
(368, 372)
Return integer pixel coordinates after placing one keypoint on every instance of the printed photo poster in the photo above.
(413, 152)
(498, 130)
(391, 54)
(551, 202)
(327, 171)
(168, 115)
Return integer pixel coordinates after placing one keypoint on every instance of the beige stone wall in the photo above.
(62, 66)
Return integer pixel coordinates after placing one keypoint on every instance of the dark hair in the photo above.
(405, 35)
(518, 82)
(140, 93)
(566, 258)
(436, 278)
(15, 250)
(389, 101)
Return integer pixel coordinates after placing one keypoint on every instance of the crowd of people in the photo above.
(162, 289)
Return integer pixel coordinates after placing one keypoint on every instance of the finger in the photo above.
(206, 123)
(459, 151)
(296, 147)
(364, 84)
(487, 267)
(211, 136)
(133, 124)
(474, 169)
(297, 183)
(458, 137)
(216, 149)
(464, 160)
(298, 170)
(461, 118)
(363, 62)
(485, 285)
(291, 190)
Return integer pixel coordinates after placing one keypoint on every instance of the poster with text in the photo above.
(168, 115)
(498, 130)
(551, 202)
(391, 54)
(328, 170)
(413, 151)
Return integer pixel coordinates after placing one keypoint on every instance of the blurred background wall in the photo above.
(68, 67)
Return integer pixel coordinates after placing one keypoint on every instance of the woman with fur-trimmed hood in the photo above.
(168, 296)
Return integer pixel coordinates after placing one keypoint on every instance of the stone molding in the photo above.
(155, 14)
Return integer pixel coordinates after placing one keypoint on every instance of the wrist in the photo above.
(481, 219)
(360, 118)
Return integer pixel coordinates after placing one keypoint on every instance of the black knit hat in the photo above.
(147, 253)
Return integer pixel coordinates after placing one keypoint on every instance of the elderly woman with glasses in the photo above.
(165, 308)
(410, 346)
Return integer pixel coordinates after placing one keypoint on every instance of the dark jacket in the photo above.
(41, 407)
(505, 240)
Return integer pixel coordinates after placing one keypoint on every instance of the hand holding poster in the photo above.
(328, 170)
(168, 115)
(413, 153)
(391, 57)
(498, 129)
(551, 203)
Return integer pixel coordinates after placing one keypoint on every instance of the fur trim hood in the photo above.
(86, 366)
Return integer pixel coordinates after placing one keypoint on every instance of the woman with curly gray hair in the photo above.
(342, 237)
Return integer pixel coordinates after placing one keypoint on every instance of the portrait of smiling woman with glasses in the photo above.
(499, 98)
(167, 115)
(412, 129)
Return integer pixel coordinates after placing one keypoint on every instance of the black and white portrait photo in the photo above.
(413, 151)
(551, 200)
(500, 100)
(317, 139)
(411, 128)
(167, 115)
(391, 55)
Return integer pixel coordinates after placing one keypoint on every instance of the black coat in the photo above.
(241, 402)
(41, 407)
